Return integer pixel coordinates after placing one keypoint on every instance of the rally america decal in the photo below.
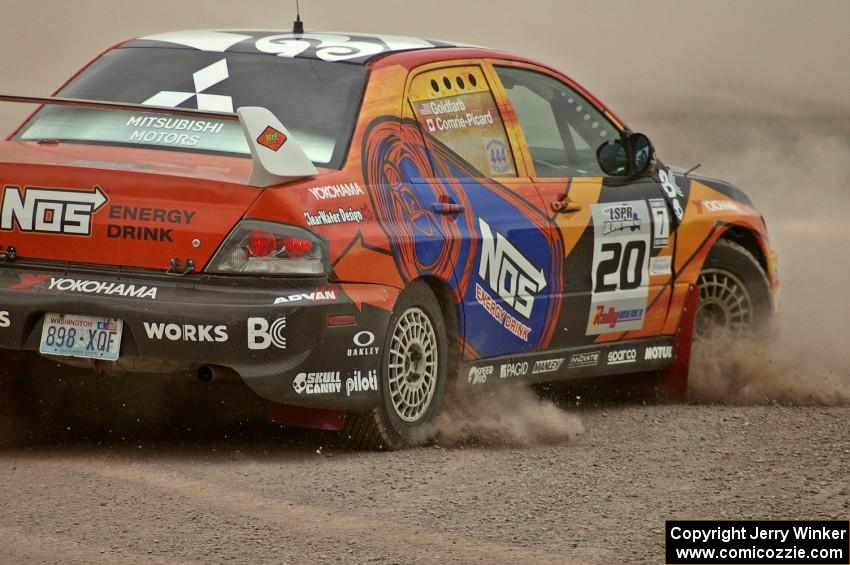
(620, 272)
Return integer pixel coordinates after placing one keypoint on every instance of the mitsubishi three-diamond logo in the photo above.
(204, 79)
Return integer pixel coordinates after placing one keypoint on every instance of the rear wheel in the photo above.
(413, 375)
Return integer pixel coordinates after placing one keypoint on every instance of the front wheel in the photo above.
(734, 303)
(414, 369)
(734, 296)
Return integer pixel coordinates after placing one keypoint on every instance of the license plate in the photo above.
(70, 335)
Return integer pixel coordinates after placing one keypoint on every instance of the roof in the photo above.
(327, 46)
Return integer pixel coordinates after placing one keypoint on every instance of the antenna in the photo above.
(692, 169)
(297, 25)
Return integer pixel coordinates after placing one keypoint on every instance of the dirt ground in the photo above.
(601, 498)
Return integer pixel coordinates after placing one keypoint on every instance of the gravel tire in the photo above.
(414, 370)
(734, 295)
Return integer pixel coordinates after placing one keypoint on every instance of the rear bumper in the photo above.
(274, 333)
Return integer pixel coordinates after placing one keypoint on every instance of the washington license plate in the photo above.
(81, 336)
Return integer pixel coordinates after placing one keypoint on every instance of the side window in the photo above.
(563, 130)
(455, 106)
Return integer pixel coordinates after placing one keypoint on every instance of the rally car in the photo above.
(352, 224)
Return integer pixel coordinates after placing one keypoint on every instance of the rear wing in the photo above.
(276, 157)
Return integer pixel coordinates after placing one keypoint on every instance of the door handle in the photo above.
(447, 208)
(565, 206)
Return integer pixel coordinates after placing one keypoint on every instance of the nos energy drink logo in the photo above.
(508, 299)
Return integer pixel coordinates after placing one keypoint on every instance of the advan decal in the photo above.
(620, 273)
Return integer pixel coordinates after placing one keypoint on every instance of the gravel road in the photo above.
(600, 498)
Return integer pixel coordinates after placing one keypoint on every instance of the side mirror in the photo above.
(629, 159)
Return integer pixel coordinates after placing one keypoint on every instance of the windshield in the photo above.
(316, 100)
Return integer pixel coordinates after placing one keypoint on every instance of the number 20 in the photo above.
(627, 259)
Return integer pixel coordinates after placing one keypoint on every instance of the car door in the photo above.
(616, 234)
(495, 232)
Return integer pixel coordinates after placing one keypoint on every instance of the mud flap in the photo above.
(674, 381)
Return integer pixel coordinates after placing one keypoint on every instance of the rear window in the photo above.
(316, 100)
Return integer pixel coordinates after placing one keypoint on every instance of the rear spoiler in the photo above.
(276, 157)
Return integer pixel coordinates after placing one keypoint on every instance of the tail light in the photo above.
(267, 248)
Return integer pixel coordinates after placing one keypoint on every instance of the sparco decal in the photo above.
(510, 370)
(364, 347)
(658, 352)
(186, 332)
(622, 357)
(334, 191)
(507, 272)
(317, 383)
(583, 360)
(262, 334)
(45, 210)
(317, 296)
(100, 287)
(478, 375)
(358, 383)
(547, 366)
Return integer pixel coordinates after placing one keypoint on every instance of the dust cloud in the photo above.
(794, 168)
(510, 415)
